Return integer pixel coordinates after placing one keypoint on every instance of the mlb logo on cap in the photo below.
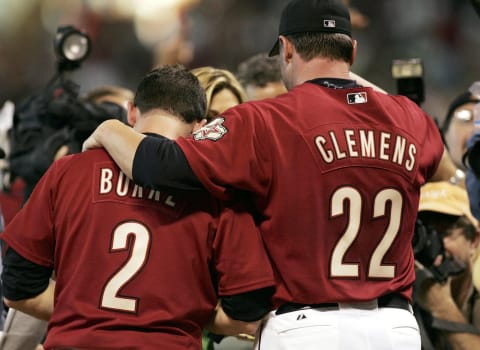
(329, 23)
(313, 16)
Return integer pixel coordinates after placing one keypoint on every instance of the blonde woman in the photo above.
(222, 88)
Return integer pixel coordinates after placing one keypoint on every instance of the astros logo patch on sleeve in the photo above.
(214, 130)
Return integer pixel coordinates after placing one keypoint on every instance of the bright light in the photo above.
(122, 9)
(157, 26)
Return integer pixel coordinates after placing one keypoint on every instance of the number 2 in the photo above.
(375, 269)
(139, 248)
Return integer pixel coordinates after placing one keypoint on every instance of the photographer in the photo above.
(458, 126)
(50, 125)
(472, 182)
(448, 311)
(55, 122)
(47, 126)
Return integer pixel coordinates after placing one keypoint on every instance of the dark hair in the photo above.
(335, 46)
(445, 223)
(174, 89)
(259, 70)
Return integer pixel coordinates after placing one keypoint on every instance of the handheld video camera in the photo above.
(427, 247)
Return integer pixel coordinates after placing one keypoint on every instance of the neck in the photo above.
(319, 67)
(162, 123)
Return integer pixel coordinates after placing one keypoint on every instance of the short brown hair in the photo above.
(335, 46)
(174, 89)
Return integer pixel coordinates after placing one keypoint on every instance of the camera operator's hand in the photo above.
(436, 297)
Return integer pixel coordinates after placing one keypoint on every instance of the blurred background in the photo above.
(130, 37)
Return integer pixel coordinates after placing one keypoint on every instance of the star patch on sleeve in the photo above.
(214, 130)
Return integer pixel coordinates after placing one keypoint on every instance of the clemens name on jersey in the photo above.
(355, 143)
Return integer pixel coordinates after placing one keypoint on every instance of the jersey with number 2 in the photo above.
(133, 265)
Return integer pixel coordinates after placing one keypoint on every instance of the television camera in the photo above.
(56, 116)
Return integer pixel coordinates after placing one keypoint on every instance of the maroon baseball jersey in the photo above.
(132, 264)
(335, 174)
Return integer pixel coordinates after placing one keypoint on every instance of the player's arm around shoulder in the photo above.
(119, 140)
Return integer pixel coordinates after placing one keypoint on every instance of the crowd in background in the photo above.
(444, 33)
(213, 37)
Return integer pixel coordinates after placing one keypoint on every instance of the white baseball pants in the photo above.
(351, 326)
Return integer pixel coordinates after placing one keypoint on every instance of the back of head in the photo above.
(215, 79)
(110, 93)
(317, 28)
(112, 99)
(259, 70)
(173, 89)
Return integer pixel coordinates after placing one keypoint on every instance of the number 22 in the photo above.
(375, 270)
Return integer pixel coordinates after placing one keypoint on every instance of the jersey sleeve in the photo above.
(228, 153)
(170, 168)
(22, 279)
(241, 262)
(31, 232)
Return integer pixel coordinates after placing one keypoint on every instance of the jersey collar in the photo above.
(335, 83)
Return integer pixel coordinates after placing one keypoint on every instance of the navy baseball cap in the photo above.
(460, 100)
(325, 16)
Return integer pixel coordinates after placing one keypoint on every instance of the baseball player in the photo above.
(334, 170)
(135, 268)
